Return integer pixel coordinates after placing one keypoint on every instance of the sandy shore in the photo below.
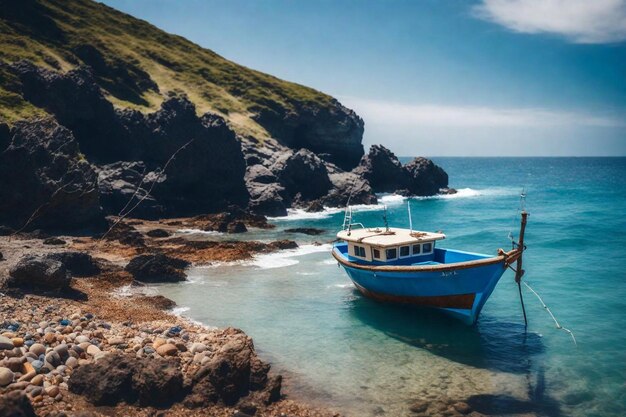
(50, 337)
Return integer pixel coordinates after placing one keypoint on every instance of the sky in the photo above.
(435, 77)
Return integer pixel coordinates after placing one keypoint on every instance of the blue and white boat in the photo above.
(405, 266)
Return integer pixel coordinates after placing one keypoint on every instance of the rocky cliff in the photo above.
(104, 113)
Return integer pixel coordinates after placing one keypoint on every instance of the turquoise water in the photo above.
(366, 358)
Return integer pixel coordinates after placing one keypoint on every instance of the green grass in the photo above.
(133, 57)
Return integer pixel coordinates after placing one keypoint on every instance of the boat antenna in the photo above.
(519, 245)
(408, 206)
(385, 218)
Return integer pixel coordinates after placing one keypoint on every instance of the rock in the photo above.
(160, 302)
(198, 348)
(124, 233)
(347, 185)
(167, 349)
(268, 199)
(114, 341)
(53, 358)
(118, 183)
(157, 268)
(426, 178)
(53, 241)
(419, 407)
(158, 233)
(272, 390)
(382, 169)
(17, 342)
(52, 391)
(72, 362)
(14, 364)
(37, 380)
(34, 271)
(42, 170)
(80, 264)
(117, 378)
(93, 350)
(303, 174)
(311, 231)
(462, 407)
(37, 349)
(16, 404)
(6, 376)
(5, 343)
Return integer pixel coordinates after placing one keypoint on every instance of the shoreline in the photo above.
(137, 326)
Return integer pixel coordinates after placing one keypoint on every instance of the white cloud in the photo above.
(580, 21)
(433, 115)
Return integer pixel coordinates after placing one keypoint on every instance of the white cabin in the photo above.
(383, 245)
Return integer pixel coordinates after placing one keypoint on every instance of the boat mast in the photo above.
(519, 272)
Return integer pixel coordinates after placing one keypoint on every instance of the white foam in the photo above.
(470, 192)
(199, 232)
(178, 311)
(347, 285)
(300, 214)
(389, 199)
(285, 258)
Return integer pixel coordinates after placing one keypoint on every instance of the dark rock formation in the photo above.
(382, 169)
(16, 404)
(122, 185)
(118, 377)
(348, 186)
(80, 264)
(305, 230)
(158, 233)
(303, 174)
(232, 373)
(39, 272)
(426, 178)
(124, 233)
(332, 130)
(157, 268)
(384, 172)
(54, 241)
(43, 173)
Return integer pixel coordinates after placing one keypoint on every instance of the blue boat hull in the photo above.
(459, 291)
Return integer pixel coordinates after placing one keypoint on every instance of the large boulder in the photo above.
(117, 378)
(44, 177)
(39, 272)
(80, 264)
(123, 184)
(426, 178)
(349, 188)
(303, 174)
(233, 371)
(157, 268)
(382, 169)
(16, 404)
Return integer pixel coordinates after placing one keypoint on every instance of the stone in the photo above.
(6, 376)
(50, 338)
(52, 391)
(16, 404)
(198, 348)
(28, 376)
(37, 349)
(53, 241)
(36, 271)
(71, 362)
(53, 358)
(158, 233)
(93, 350)
(167, 349)
(62, 350)
(157, 268)
(14, 364)
(5, 343)
(158, 342)
(116, 340)
(419, 407)
(27, 367)
(80, 264)
(81, 339)
(462, 407)
(18, 342)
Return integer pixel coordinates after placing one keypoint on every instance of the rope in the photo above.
(558, 325)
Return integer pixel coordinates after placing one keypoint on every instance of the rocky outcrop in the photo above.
(16, 404)
(386, 174)
(39, 272)
(157, 268)
(332, 130)
(303, 174)
(117, 377)
(79, 264)
(426, 178)
(43, 174)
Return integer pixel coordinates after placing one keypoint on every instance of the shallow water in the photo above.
(366, 358)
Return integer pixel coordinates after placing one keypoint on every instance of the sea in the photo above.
(342, 351)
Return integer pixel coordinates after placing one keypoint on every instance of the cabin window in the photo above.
(405, 251)
(391, 253)
(427, 247)
(359, 251)
(376, 253)
(417, 249)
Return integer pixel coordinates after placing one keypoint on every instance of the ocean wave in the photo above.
(285, 258)
(199, 232)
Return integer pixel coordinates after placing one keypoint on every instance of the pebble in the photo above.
(53, 358)
(71, 362)
(6, 376)
(38, 365)
(92, 350)
(115, 341)
(28, 376)
(167, 349)
(37, 380)
(81, 339)
(198, 348)
(462, 407)
(5, 343)
(27, 367)
(37, 349)
(159, 341)
(62, 350)
(14, 364)
(18, 342)
(52, 391)
(50, 338)
(36, 392)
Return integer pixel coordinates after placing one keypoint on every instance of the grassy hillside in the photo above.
(135, 63)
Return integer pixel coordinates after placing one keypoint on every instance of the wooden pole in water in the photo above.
(519, 272)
